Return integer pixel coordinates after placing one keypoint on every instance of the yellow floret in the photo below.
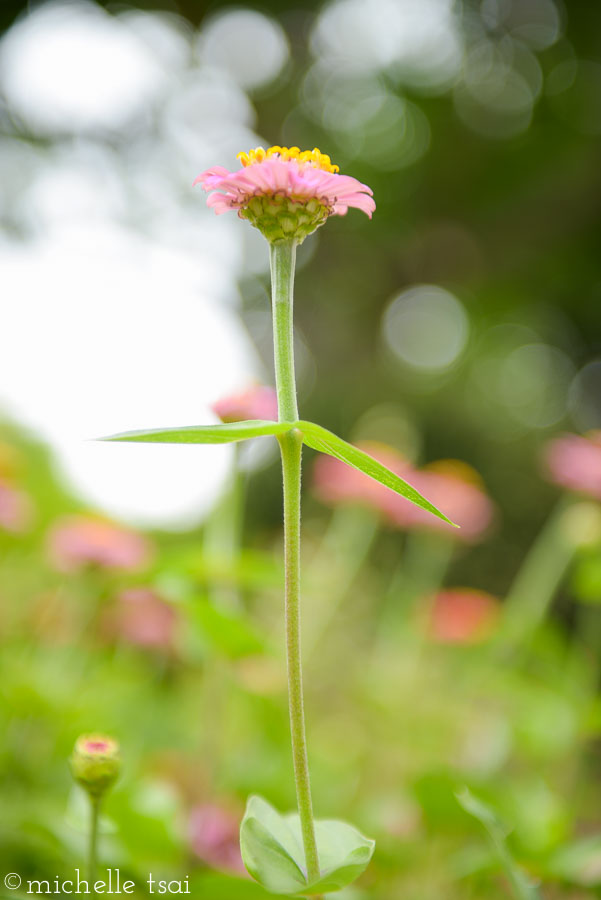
(314, 157)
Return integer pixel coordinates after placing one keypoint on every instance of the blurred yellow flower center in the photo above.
(314, 157)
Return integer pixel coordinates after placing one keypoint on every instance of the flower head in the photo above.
(214, 836)
(462, 616)
(451, 485)
(95, 763)
(284, 192)
(257, 402)
(336, 483)
(141, 617)
(574, 462)
(79, 541)
(454, 487)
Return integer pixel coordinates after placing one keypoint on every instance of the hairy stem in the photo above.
(93, 837)
(282, 276)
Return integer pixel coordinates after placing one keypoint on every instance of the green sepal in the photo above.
(272, 850)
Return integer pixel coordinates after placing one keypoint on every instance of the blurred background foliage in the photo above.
(462, 323)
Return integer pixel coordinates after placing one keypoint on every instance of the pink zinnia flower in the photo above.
(462, 616)
(214, 837)
(143, 618)
(78, 541)
(256, 402)
(454, 487)
(284, 192)
(574, 462)
(15, 509)
(335, 483)
(451, 485)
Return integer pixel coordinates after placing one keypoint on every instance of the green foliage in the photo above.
(272, 850)
(521, 886)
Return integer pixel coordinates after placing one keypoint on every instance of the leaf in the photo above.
(272, 850)
(325, 441)
(226, 631)
(314, 436)
(205, 434)
(523, 889)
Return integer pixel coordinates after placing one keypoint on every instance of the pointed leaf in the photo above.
(205, 434)
(325, 441)
(272, 850)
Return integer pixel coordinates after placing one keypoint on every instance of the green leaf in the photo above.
(205, 434)
(226, 631)
(314, 436)
(325, 441)
(523, 889)
(272, 850)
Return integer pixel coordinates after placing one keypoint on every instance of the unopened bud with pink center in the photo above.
(95, 763)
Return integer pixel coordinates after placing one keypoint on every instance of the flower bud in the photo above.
(95, 763)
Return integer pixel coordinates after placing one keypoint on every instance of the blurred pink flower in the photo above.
(574, 462)
(462, 616)
(83, 540)
(214, 837)
(256, 402)
(334, 482)
(450, 485)
(143, 618)
(456, 489)
(282, 172)
(16, 511)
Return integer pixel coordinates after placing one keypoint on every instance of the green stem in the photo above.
(338, 563)
(282, 277)
(538, 578)
(93, 837)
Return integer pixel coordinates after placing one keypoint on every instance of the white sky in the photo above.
(119, 307)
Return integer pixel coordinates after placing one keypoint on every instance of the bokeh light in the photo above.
(426, 327)
(54, 72)
(249, 46)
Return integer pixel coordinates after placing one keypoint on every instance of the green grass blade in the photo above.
(521, 886)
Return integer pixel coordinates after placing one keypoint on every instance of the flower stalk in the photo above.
(93, 837)
(283, 254)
